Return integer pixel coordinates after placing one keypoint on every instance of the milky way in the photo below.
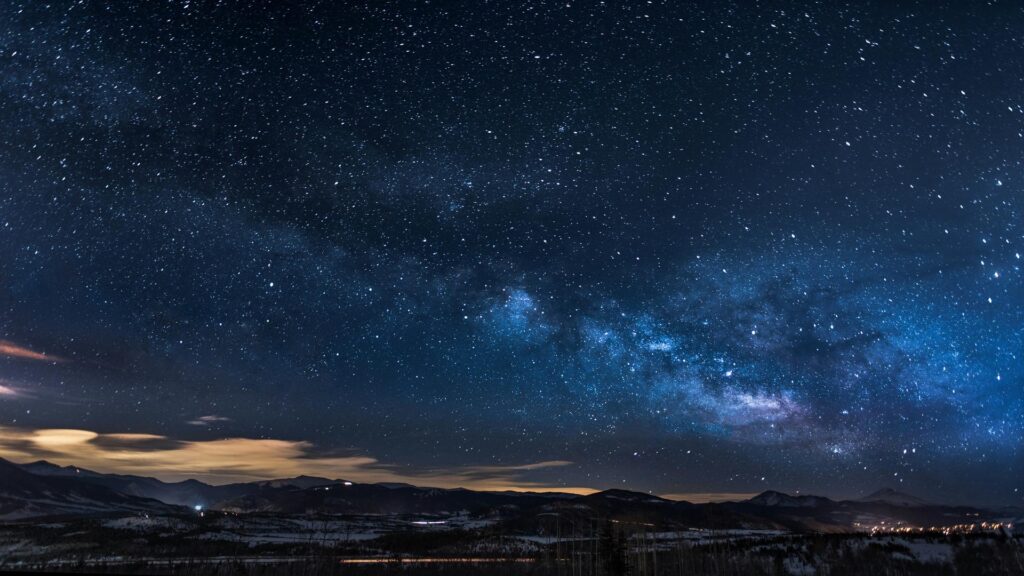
(667, 247)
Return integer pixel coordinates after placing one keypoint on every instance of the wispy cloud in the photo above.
(208, 420)
(12, 350)
(10, 390)
(247, 459)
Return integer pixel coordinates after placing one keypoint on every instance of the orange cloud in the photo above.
(247, 459)
(12, 350)
(7, 391)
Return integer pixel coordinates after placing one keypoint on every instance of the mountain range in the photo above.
(42, 489)
(25, 495)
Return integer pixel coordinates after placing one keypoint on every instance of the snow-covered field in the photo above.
(262, 539)
(925, 550)
(250, 530)
(259, 530)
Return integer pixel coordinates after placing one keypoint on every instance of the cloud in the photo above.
(534, 466)
(249, 459)
(12, 350)
(59, 438)
(208, 420)
(8, 392)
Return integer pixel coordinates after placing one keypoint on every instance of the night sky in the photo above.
(695, 249)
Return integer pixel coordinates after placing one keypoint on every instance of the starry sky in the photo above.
(695, 248)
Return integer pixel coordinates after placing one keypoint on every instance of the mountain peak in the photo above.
(775, 498)
(42, 464)
(896, 498)
(47, 468)
(627, 495)
(301, 482)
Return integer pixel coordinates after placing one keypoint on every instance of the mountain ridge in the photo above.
(54, 490)
(890, 496)
(26, 495)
